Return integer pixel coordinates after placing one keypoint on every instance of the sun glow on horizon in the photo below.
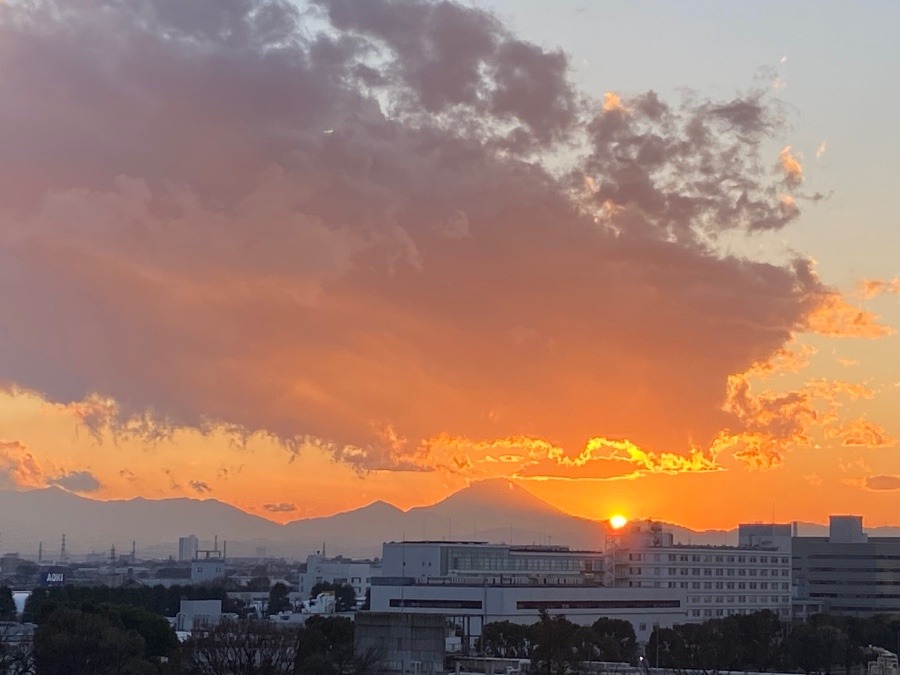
(618, 521)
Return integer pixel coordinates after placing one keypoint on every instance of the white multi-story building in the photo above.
(718, 581)
(339, 570)
(478, 583)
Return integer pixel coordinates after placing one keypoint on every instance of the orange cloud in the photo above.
(870, 288)
(18, 466)
(612, 102)
(861, 432)
(833, 316)
(793, 171)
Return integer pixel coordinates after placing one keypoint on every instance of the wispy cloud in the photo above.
(280, 507)
(200, 486)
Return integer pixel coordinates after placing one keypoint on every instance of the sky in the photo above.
(641, 259)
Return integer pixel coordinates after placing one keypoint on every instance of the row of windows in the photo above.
(867, 596)
(707, 572)
(683, 557)
(863, 556)
(719, 586)
(846, 582)
(435, 604)
(741, 599)
(730, 612)
(597, 604)
(859, 570)
(501, 561)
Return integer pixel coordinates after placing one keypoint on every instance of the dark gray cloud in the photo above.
(220, 216)
(280, 507)
(883, 482)
(76, 481)
(200, 486)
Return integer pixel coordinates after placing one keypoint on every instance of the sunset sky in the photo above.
(640, 258)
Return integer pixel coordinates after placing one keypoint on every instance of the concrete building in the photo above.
(207, 570)
(339, 570)
(848, 572)
(492, 563)
(473, 583)
(195, 614)
(718, 581)
(187, 548)
(404, 643)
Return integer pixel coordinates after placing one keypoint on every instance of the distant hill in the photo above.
(494, 510)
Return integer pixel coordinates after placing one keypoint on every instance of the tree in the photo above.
(16, 654)
(261, 583)
(159, 638)
(7, 604)
(617, 639)
(72, 642)
(555, 649)
(240, 647)
(324, 646)
(344, 595)
(505, 639)
(278, 599)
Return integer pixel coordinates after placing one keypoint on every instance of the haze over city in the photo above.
(303, 257)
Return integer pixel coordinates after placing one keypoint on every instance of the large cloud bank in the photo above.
(337, 225)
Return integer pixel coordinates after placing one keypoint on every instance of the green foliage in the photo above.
(7, 604)
(761, 642)
(278, 599)
(505, 639)
(324, 646)
(156, 599)
(556, 644)
(617, 639)
(73, 642)
(260, 583)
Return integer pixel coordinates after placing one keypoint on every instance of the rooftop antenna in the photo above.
(215, 542)
(62, 549)
(133, 550)
(224, 548)
(40, 551)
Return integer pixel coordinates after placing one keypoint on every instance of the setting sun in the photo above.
(618, 521)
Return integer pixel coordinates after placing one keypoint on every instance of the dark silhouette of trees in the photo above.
(16, 656)
(344, 595)
(556, 644)
(7, 604)
(505, 639)
(617, 639)
(72, 642)
(324, 646)
(279, 600)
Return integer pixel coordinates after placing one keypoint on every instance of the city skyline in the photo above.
(300, 258)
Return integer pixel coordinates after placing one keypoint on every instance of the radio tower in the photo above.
(62, 550)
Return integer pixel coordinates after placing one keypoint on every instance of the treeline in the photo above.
(753, 642)
(85, 630)
(555, 644)
(157, 599)
(761, 642)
